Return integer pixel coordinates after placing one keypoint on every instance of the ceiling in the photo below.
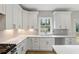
(52, 7)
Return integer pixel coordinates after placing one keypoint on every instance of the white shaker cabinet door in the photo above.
(9, 16)
(35, 43)
(51, 41)
(33, 20)
(57, 20)
(44, 44)
(2, 8)
(62, 20)
(17, 16)
(70, 41)
(25, 17)
(20, 22)
(29, 43)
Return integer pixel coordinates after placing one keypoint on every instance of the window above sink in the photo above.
(45, 25)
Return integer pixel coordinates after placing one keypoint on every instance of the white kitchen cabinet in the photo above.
(70, 41)
(33, 17)
(9, 16)
(62, 19)
(22, 47)
(19, 48)
(29, 43)
(46, 44)
(12, 18)
(20, 22)
(25, 17)
(17, 16)
(7, 19)
(42, 44)
(35, 43)
(2, 8)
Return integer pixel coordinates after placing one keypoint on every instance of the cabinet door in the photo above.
(24, 46)
(25, 16)
(9, 16)
(62, 20)
(57, 20)
(29, 43)
(35, 43)
(19, 48)
(44, 44)
(17, 16)
(70, 41)
(51, 41)
(33, 19)
(2, 8)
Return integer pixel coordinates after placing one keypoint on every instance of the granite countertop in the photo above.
(15, 40)
(48, 36)
(18, 39)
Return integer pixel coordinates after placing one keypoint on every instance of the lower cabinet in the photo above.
(42, 44)
(46, 44)
(70, 41)
(19, 48)
(35, 43)
(22, 47)
(29, 43)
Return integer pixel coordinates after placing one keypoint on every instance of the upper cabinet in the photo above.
(25, 18)
(20, 21)
(17, 16)
(9, 16)
(62, 19)
(33, 16)
(2, 8)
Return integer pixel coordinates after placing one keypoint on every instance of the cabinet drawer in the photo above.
(51, 41)
(70, 41)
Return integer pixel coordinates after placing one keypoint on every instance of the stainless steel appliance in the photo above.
(5, 48)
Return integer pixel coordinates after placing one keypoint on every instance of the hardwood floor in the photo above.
(40, 52)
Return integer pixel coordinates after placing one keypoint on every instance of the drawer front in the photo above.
(70, 41)
(35, 44)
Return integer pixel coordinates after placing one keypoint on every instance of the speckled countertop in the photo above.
(20, 38)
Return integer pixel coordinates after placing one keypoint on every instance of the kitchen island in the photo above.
(66, 49)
